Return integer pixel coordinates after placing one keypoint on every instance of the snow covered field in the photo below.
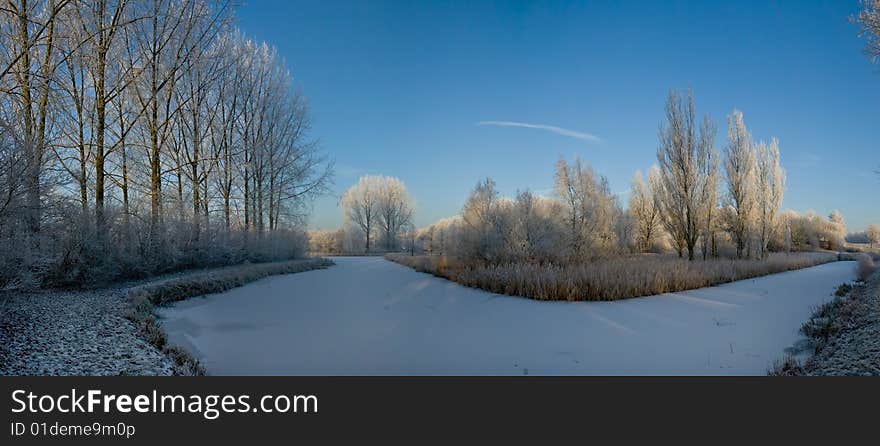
(371, 316)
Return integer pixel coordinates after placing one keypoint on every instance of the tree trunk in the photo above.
(32, 181)
(155, 169)
(194, 171)
(126, 210)
(100, 122)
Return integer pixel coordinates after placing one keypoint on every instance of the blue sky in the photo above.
(400, 88)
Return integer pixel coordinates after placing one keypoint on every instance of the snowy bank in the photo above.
(844, 334)
(107, 331)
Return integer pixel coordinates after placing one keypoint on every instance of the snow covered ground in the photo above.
(371, 316)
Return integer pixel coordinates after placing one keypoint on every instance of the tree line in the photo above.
(141, 136)
(697, 201)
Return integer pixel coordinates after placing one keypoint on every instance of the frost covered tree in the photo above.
(444, 236)
(589, 209)
(410, 238)
(112, 110)
(869, 20)
(683, 155)
(739, 169)
(395, 209)
(361, 205)
(102, 20)
(709, 213)
(625, 230)
(644, 208)
(484, 222)
(169, 38)
(327, 242)
(378, 205)
(835, 230)
(873, 234)
(536, 230)
(770, 187)
(28, 32)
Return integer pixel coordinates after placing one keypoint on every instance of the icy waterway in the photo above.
(369, 316)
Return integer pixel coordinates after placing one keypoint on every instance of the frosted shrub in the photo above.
(78, 255)
(865, 267)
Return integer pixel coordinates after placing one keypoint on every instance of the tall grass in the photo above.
(609, 279)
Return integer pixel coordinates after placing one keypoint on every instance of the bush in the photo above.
(821, 323)
(843, 289)
(830, 318)
(611, 279)
(71, 253)
(865, 267)
(198, 284)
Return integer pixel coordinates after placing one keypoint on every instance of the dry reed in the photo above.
(609, 279)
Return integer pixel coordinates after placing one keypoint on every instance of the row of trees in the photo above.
(686, 191)
(870, 236)
(697, 201)
(138, 136)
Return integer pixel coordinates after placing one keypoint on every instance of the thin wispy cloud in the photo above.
(550, 128)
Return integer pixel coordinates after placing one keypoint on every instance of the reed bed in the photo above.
(609, 279)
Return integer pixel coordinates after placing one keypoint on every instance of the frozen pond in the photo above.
(371, 316)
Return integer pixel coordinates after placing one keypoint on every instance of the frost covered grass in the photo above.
(843, 334)
(790, 366)
(144, 299)
(610, 279)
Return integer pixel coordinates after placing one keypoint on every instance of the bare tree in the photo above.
(224, 137)
(683, 156)
(103, 102)
(73, 151)
(161, 43)
(297, 169)
(30, 45)
(199, 105)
